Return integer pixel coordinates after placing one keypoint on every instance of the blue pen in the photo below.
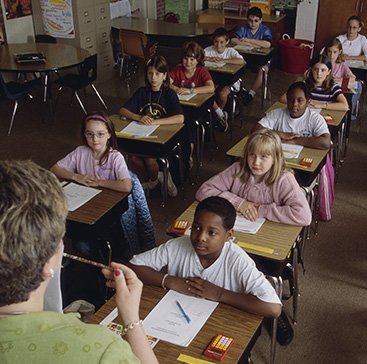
(183, 312)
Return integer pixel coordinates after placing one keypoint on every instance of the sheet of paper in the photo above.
(246, 226)
(78, 195)
(137, 129)
(291, 150)
(166, 322)
(186, 97)
(214, 64)
(243, 48)
(352, 85)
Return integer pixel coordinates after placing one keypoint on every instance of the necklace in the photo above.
(150, 102)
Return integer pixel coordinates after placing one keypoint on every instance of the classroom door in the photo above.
(332, 19)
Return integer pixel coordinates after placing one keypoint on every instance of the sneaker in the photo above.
(247, 98)
(223, 121)
(171, 187)
(284, 330)
(150, 185)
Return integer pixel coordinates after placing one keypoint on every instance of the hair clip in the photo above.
(148, 61)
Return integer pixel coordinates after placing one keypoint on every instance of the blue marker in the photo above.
(183, 312)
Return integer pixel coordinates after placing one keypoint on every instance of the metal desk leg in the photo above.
(278, 286)
(109, 259)
(264, 87)
(165, 164)
(295, 287)
(212, 133)
(198, 147)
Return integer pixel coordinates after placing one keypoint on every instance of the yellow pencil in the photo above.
(296, 165)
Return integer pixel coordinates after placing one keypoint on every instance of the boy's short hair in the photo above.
(221, 207)
(301, 85)
(193, 49)
(255, 11)
(220, 32)
(33, 210)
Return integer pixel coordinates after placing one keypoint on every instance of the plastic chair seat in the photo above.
(73, 81)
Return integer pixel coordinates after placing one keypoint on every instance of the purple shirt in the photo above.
(81, 161)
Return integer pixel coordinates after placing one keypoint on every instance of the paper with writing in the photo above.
(138, 129)
(291, 150)
(246, 226)
(78, 195)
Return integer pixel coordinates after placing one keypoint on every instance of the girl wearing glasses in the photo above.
(97, 162)
(354, 44)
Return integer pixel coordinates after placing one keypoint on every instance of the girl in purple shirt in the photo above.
(259, 185)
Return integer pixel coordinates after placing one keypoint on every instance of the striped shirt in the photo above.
(319, 94)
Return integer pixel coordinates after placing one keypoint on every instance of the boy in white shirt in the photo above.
(208, 265)
(298, 124)
(219, 52)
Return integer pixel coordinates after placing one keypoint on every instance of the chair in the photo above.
(135, 44)
(210, 19)
(87, 75)
(15, 91)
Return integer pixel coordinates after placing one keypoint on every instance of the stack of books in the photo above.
(30, 57)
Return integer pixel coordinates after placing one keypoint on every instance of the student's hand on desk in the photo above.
(128, 290)
(201, 288)
(183, 91)
(177, 284)
(316, 105)
(287, 137)
(89, 181)
(249, 210)
(147, 120)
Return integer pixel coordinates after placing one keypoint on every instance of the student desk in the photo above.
(227, 320)
(228, 75)
(201, 102)
(273, 247)
(93, 219)
(169, 138)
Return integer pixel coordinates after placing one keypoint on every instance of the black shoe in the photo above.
(284, 330)
(247, 98)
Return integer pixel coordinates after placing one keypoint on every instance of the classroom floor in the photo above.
(332, 318)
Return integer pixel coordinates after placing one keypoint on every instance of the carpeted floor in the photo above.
(332, 318)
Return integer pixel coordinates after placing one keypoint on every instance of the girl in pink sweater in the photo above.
(259, 184)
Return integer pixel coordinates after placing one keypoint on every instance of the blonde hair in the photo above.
(265, 142)
(33, 210)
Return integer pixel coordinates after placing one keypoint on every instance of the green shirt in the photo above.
(51, 337)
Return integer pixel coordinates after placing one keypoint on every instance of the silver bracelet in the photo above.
(130, 326)
(163, 280)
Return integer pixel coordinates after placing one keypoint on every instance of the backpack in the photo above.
(326, 190)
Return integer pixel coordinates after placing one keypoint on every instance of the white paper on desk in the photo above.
(246, 226)
(78, 195)
(352, 85)
(186, 97)
(214, 64)
(354, 63)
(139, 130)
(167, 323)
(243, 48)
(291, 150)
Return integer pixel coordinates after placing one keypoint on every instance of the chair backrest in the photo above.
(207, 18)
(45, 38)
(171, 17)
(88, 69)
(133, 43)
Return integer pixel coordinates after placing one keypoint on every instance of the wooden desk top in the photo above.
(362, 65)
(273, 241)
(225, 320)
(153, 27)
(97, 207)
(58, 56)
(164, 132)
(317, 155)
(198, 100)
(257, 51)
(233, 15)
(228, 68)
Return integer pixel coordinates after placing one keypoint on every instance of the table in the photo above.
(228, 75)
(58, 57)
(271, 247)
(227, 320)
(169, 138)
(167, 34)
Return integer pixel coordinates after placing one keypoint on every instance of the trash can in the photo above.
(295, 54)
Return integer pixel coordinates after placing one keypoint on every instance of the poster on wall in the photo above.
(57, 16)
(17, 8)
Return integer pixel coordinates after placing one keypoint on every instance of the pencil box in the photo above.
(179, 227)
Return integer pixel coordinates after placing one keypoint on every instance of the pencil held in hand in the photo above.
(87, 261)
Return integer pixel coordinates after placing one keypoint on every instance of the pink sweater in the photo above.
(283, 201)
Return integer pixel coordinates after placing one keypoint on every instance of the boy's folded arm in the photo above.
(251, 304)
(147, 275)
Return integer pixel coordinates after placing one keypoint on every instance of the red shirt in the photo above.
(200, 77)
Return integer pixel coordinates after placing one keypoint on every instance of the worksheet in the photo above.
(78, 195)
(246, 226)
(291, 150)
(138, 129)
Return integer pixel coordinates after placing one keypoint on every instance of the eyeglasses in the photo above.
(99, 135)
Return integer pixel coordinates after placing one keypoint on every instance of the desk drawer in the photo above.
(105, 65)
(103, 39)
(88, 42)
